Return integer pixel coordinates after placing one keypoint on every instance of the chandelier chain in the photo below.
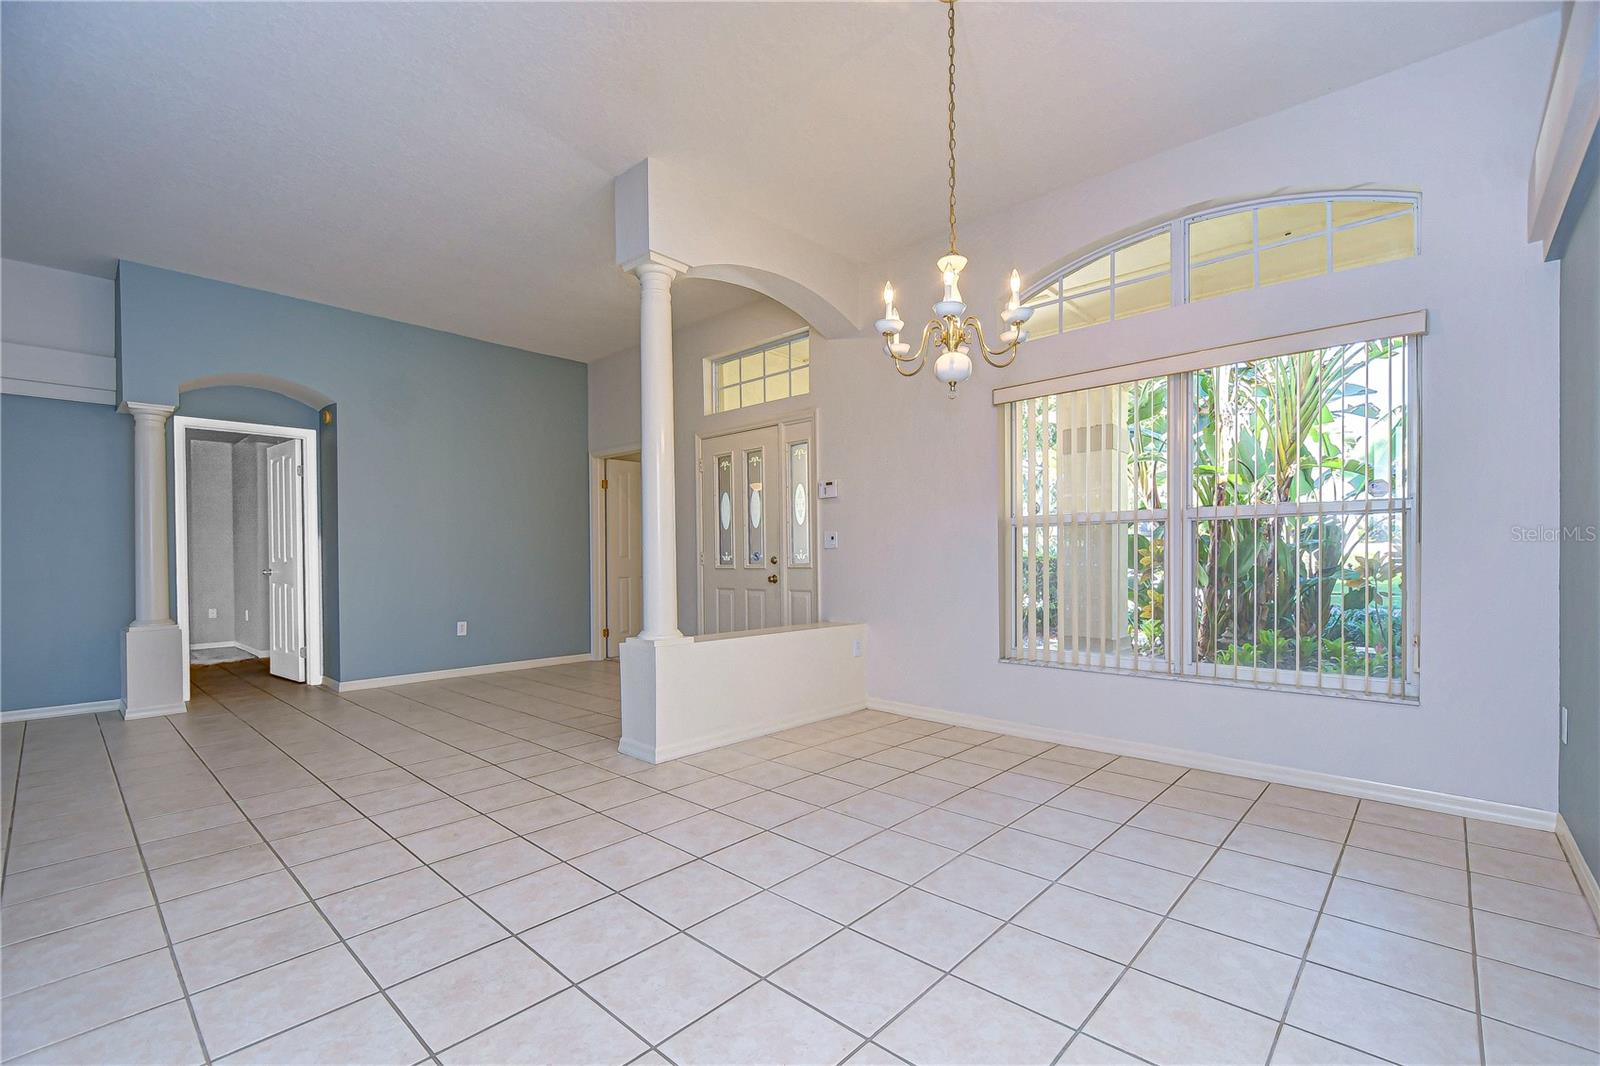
(952, 84)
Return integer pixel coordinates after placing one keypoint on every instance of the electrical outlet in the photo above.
(461, 629)
(830, 541)
(855, 648)
(211, 612)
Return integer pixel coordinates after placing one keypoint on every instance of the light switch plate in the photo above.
(461, 629)
(211, 612)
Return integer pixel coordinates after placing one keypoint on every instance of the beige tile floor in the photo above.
(467, 872)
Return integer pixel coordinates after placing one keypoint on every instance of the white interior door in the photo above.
(285, 562)
(624, 565)
(743, 530)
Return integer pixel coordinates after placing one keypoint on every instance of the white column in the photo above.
(152, 646)
(658, 497)
(150, 602)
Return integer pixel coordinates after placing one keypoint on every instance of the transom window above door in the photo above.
(1225, 250)
(772, 371)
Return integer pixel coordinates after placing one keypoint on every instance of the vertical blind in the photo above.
(1253, 521)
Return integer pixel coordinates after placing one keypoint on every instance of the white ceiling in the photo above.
(450, 164)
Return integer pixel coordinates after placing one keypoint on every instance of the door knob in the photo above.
(267, 572)
(773, 560)
(772, 579)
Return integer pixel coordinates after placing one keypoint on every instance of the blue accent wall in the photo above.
(461, 484)
(66, 550)
(1580, 512)
(242, 403)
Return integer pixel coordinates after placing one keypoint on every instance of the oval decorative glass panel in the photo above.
(755, 508)
(726, 514)
(799, 505)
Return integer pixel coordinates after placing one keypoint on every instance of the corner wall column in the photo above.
(152, 646)
(658, 496)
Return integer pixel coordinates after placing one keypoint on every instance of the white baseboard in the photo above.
(443, 675)
(730, 736)
(1444, 802)
(155, 712)
(1580, 866)
(213, 644)
(259, 653)
(27, 714)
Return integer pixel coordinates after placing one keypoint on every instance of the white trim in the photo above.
(310, 515)
(57, 373)
(1408, 324)
(257, 652)
(733, 736)
(1443, 802)
(1580, 868)
(336, 685)
(1571, 115)
(28, 714)
(156, 712)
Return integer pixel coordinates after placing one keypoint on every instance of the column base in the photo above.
(152, 670)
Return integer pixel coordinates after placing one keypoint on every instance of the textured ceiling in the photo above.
(450, 164)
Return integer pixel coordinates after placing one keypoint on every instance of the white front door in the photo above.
(285, 562)
(741, 494)
(624, 565)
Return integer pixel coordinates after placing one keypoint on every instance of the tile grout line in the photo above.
(155, 900)
(1305, 955)
(774, 829)
(378, 984)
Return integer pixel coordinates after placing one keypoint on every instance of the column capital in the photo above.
(657, 264)
(147, 412)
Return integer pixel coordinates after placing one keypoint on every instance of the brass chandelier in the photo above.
(952, 331)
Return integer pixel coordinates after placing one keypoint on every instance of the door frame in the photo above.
(781, 424)
(311, 584)
(597, 546)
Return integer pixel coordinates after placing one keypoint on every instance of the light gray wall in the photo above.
(1580, 515)
(250, 544)
(210, 541)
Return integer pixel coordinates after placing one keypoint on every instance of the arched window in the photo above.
(1225, 250)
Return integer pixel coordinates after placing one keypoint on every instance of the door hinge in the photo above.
(606, 633)
(302, 653)
(299, 471)
(604, 484)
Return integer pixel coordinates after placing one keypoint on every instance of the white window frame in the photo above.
(1180, 267)
(712, 362)
(1181, 517)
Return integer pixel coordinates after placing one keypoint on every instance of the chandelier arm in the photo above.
(974, 327)
(928, 331)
